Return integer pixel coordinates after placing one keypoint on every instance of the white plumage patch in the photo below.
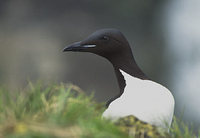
(145, 99)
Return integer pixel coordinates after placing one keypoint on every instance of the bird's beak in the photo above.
(78, 46)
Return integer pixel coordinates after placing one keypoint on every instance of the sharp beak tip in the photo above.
(77, 47)
(65, 49)
(71, 47)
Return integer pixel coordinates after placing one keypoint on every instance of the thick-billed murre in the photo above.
(139, 96)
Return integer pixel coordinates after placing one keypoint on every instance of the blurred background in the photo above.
(164, 35)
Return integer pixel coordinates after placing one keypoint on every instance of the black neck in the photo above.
(128, 65)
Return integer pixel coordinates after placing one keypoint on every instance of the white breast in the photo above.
(145, 99)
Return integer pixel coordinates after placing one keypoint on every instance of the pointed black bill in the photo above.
(77, 46)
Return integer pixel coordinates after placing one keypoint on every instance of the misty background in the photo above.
(164, 35)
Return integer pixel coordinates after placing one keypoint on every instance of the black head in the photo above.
(108, 43)
(111, 44)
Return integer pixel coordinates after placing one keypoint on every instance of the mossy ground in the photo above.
(60, 111)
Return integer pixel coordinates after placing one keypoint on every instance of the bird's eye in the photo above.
(105, 38)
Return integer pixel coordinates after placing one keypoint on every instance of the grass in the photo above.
(61, 111)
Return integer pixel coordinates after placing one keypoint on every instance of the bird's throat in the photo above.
(130, 67)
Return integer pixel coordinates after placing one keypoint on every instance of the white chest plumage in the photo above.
(145, 99)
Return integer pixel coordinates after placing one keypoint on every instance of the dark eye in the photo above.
(105, 38)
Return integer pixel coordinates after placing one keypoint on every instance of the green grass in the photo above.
(60, 111)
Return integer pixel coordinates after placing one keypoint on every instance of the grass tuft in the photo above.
(61, 111)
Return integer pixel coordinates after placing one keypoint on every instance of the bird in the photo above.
(139, 96)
